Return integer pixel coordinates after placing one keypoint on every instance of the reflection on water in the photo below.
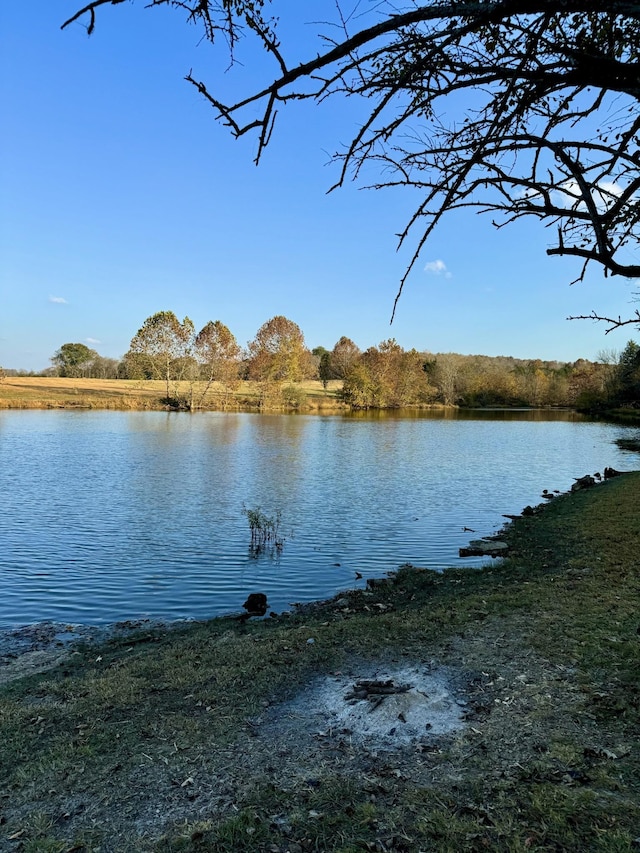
(113, 515)
(488, 414)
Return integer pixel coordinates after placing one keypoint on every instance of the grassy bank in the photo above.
(183, 740)
(35, 392)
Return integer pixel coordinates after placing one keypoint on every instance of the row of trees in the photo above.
(169, 349)
(383, 376)
(76, 360)
(610, 382)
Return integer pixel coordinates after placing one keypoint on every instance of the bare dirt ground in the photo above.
(485, 697)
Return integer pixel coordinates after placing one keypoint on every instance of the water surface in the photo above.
(115, 515)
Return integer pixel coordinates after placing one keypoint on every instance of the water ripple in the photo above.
(111, 515)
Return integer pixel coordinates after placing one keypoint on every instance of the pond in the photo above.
(114, 515)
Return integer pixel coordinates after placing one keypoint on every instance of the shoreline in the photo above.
(37, 646)
(498, 705)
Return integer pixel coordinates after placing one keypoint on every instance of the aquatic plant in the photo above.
(265, 529)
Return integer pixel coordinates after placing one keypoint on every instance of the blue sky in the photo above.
(120, 196)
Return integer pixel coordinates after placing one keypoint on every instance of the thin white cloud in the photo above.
(568, 194)
(604, 194)
(59, 300)
(611, 187)
(437, 267)
(93, 341)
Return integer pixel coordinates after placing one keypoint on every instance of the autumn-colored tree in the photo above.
(343, 356)
(412, 382)
(586, 384)
(166, 346)
(386, 377)
(218, 355)
(487, 381)
(358, 389)
(278, 352)
(532, 382)
(446, 377)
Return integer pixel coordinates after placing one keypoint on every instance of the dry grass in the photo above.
(34, 392)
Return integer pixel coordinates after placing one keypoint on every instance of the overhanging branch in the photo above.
(501, 98)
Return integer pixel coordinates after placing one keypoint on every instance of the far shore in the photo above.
(308, 397)
(51, 392)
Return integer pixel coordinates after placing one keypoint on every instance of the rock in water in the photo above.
(256, 604)
(484, 548)
(611, 472)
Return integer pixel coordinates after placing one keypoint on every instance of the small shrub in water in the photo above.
(265, 529)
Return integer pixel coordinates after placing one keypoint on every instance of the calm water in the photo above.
(113, 515)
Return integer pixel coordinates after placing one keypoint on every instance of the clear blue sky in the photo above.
(120, 196)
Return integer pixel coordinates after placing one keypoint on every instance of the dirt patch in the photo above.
(30, 663)
(382, 707)
(485, 701)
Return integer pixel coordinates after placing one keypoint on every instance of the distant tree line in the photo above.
(78, 360)
(212, 364)
(623, 386)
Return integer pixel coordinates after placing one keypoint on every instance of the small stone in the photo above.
(484, 548)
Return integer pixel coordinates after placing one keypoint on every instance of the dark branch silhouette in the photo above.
(519, 108)
(613, 322)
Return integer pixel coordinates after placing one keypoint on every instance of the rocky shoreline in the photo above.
(31, 649)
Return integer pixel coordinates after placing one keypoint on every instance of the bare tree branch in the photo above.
(612, 321)
(514, 107)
